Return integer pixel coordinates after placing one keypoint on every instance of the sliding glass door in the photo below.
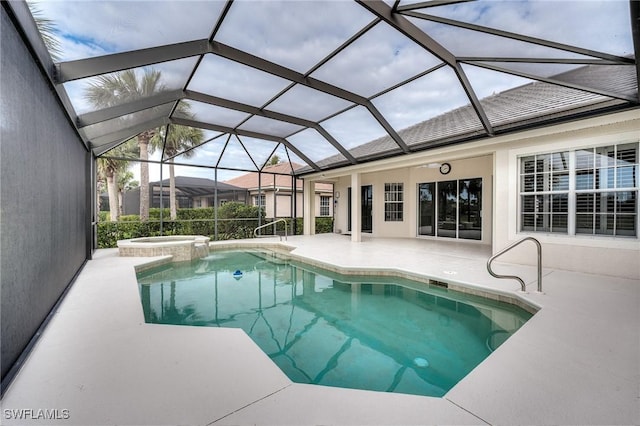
(447, 208)
(456, 204)
(427, 206)
(470, 209)
(366, 209)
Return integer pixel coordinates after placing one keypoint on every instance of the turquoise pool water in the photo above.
(382, 334)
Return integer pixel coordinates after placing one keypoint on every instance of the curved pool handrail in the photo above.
(515, 277)
(255, 231)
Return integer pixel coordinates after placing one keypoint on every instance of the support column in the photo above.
(215, 204)
(309, 209)
(356, 208)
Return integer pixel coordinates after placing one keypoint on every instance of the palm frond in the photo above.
(48, 31)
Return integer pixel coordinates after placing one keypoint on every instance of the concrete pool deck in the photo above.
(577, 361)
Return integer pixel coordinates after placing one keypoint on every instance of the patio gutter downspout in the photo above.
(634, 11)
(215, 204)
(275, 204)
(294, 206)
(161, 191)
(260, 198)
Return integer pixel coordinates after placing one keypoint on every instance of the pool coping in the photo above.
(180, 247)
(562, 360)
(517, 298)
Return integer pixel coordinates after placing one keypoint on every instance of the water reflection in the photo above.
(364, 333)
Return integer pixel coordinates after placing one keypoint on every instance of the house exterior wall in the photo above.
(45, 192)
(600, 254)
(496, 161)
(284, 200)
(411, 176)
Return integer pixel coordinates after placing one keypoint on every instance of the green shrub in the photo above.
(324, 225)
(238, 220)
(235, 221)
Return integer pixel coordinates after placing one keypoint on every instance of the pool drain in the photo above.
(421, 362)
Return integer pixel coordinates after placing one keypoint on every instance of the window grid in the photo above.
(597, 194)
(324, 206)
(393, 202)
(545, 192)
(606, 190)
(260, 200)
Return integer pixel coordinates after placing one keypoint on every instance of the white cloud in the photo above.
(297, 34)
(599, 25)
(354, 127)
(221, 77)
(379, 59)
(217, 115)
(117, 26)
(308, 103)
(313, 145)
(422, 99)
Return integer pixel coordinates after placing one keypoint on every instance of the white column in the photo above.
(356, 207)
(309, 196)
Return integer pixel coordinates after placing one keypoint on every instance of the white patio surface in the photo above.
(577, 361)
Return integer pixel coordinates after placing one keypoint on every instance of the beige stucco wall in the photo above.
(283, 203)
(411, 176)
(618, 256)
(496, 161)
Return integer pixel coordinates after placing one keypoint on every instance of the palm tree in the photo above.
(110, 169)
(125, 183)
(179, 139)
(118, 88)
(48, 31)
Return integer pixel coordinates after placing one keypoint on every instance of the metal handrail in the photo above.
(255, 231)
(503, 251)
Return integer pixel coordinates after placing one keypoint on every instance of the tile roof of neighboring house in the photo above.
(282, 178)
(533, 103)
(187, 182)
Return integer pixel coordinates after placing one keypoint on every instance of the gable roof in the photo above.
(195, 184)
(522, 107)
(281, 173)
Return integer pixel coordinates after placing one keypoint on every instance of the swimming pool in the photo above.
(362, 332)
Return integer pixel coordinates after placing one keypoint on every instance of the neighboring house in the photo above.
(272, 189)
(573, 185)
(191, 192)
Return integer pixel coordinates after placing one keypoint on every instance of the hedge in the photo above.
(235, 221)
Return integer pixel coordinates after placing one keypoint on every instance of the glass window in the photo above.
(324, 206)
(544, 192)
(393, 202)
(259, 200)
(605, 193)
(604, 205)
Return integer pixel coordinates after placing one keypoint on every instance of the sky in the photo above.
(298, 34)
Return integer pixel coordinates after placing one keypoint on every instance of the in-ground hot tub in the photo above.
(181, 247)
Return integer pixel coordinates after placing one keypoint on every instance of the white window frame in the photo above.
(547, 193)
(260, 200)
(325, 203)
(574, 191)
(394, 202)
